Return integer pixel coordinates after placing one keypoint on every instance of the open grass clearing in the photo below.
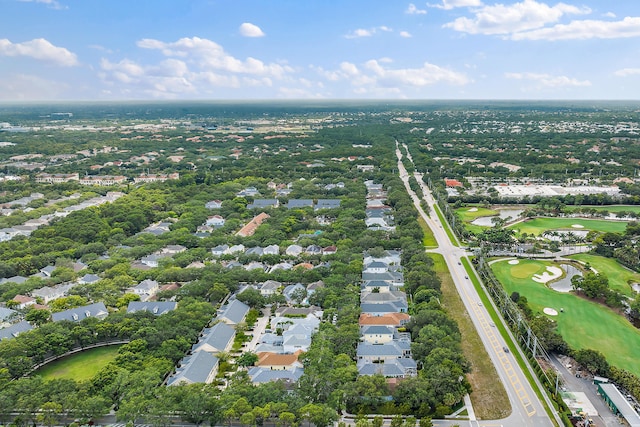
(489, 398)
(429, 240)
(80, 366)
(582, 323)
(537, 226)
(620, 277)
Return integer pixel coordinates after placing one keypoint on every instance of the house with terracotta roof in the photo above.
(278, 361)
(452, 183)
(252, 226)
(392, 319)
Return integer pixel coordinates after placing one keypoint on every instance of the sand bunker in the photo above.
(550, 274)
(577, 226)
(473, 210)
(514, 262)
(550, 311)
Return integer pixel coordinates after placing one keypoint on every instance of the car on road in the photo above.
(459, 263)
(479, 303)
(505, 349)
(466, 277)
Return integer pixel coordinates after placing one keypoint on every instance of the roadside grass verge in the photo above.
(620, 277)
(445, 225)
(489, 398)
(584, 324)
(80, 366)
(429, 239)
(538, 225)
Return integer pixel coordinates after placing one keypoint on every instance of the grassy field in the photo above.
(80, 366)
(429, 239)
(583, 324)
(466, 214)
(489, 398)
(539, 225)
(619, 276)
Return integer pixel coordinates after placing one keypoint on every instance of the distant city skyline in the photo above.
(319, 49)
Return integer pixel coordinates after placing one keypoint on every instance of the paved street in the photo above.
(527, 410)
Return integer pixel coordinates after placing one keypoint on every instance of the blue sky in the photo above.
(324, 49)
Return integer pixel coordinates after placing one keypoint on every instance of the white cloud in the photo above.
(547, 80)
(209, 55)
(363, 32)
(452, 4)
(192, 67)
(514, 18)
(413, 10)
(250, 30)
(585, 29)
(405, 34)
(625, 72)
(377, 76)
(609, 15)
(40, 49)
(53, 4)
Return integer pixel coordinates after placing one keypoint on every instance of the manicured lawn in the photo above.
(619, 276)
(80, 366)
(583, 324)
(468, 214)
(539, 225)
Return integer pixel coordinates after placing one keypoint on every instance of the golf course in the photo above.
(582, 323)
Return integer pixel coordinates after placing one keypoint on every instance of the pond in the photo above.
(564, 284)
(485, 221)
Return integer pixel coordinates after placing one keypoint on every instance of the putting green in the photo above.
(467, 214)
(524, 270)
(582, 323)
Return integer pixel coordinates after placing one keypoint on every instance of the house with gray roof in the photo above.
(200, 367)
(155, 307)
(48, 270)
(270, 287)
(271, 250)
(299, 203)
(216, 339)
(213, 204)
(256, 251)
(375, 267)
(145, 289)
(289, 290)
(14, 330)
(14, 279)
(327, 204)
(219, 250)
(399, 368)
(6, 313)
(263, 204)
(260, 375)
(89, 278)
(381, 286)
(383, 308)
(234, 312)
(377, 334)
(382, 353)
(97, 309)
(294, 250)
